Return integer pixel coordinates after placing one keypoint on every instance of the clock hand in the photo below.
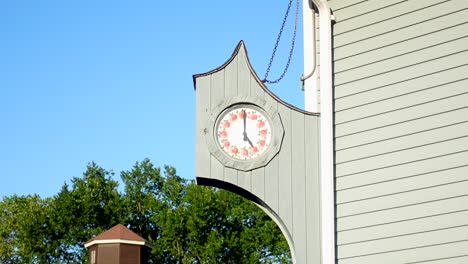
(245, 123)
(248, 140)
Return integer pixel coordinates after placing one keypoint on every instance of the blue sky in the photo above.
(111, 81)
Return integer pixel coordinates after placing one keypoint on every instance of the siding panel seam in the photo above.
(404, 163)
(401, 221)
(408, 234)
(398, 42)
(401, 108)
(402, 206)
(398, 193)
(401, 54)
(406, 177)
(403, 149)
(343, 7)
(432, 260)
(393, 30)
(400, 68)
(401, 136)
(406, 249)
(401, 95)
(371, 11)
(403, 81)
(390, 18)
(401, 122)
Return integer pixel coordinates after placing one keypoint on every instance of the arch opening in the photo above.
(256, 200)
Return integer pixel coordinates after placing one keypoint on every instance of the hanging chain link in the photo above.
(291, 51)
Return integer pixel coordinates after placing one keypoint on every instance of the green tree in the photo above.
(142, 198)
(194, 224)
(24, 228)
(226, 228)
(92, 205)
(185, 222)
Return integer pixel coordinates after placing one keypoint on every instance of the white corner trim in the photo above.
(327, 175)
(310, 76)
(118, 241)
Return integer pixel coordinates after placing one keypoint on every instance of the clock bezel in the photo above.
(267, 110)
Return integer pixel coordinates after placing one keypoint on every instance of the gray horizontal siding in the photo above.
(402, 35)
(363, 8)
(433, 80)
(418, 43)
(415, 255)
(405, 228)
(449, 260)
(410, 169)
(421, 56)
(393, 18)
(402, 214)
(401, 185)
(407, 72)
(400, 199)
(433, 107)
(408, 100)
(343, 4)
(407, 142)
(401, 131)
(402, 157)
(425, 239)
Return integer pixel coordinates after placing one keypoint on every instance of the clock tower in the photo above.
(250, 142)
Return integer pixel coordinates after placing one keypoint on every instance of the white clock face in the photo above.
(243, 132)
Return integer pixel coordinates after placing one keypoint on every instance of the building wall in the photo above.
(91, 249)
(401, 130)
(108, 254)
(130, 254)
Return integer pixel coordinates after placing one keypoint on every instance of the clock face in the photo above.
(243, 132)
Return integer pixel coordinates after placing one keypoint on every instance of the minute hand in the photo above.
(245, 123)
(246, 138)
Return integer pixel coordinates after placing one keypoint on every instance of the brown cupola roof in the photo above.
(118, 234)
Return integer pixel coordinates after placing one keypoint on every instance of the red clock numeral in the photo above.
(245, 152)
(234, 150)
(241, 115)
(254, 150)
(223, 134)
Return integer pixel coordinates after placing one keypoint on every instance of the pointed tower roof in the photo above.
(118, 234)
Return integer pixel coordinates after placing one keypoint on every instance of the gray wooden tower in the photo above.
(276, 165)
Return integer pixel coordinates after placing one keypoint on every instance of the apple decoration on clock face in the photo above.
(243, 132)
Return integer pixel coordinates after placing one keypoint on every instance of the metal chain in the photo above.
(291, 51)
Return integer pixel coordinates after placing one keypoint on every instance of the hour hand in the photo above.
(246, 138)
(250, 142)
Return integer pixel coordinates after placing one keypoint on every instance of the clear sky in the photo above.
(111, 81)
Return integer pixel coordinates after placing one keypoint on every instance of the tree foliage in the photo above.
(186, 223)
